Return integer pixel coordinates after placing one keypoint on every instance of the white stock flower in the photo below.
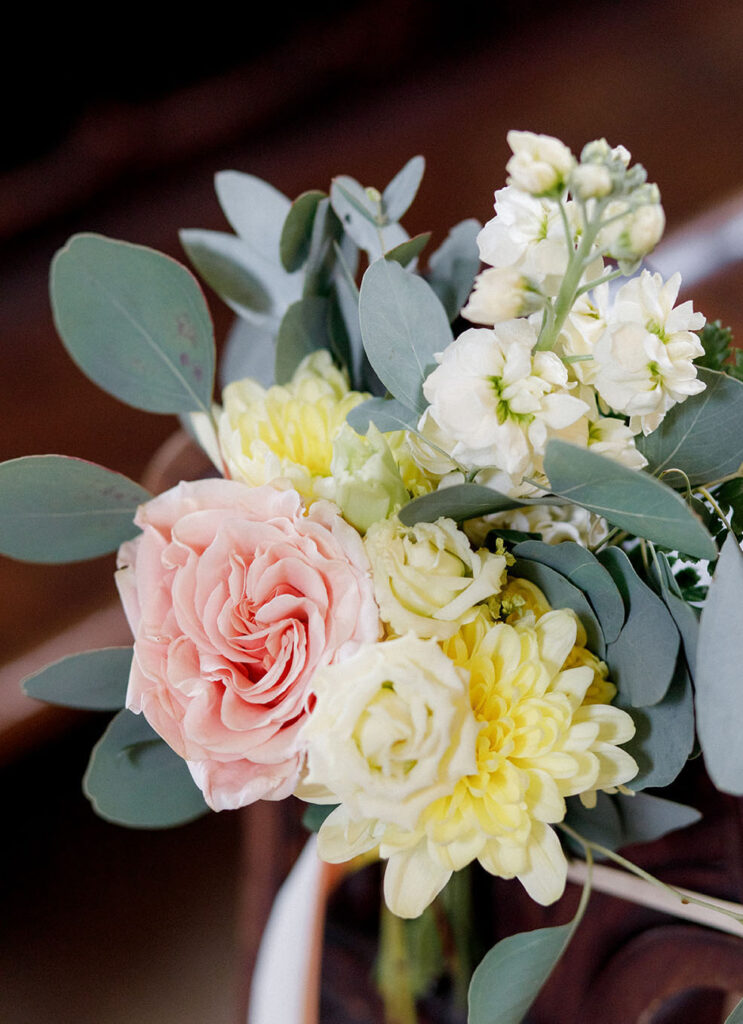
(635, 234)
(501, 293)
(590, 181)
(391, 731)
(584, 325)
(556, 523)
(528, 235)
(540, 163)
(614, 439)
(645, 357)
(494, 402)
(427, 578)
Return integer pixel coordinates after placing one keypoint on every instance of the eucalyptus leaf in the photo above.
(464, 501)
(96, 680)
(642, 660)
(250, 351)
(403, 325)
(347, 297)
(320, 268)
(582, 569)
(58, 509)
(702, 436)
(736, 1017)
(664, 734)
(406, 252)
(296, 234)
(134, 778)
(338, 336)
(682, 613)
(632, 500)
(303, 330)
(562, 594)
(315, 814)
(252, 286)
(454, 265)
(256, 210)
(386, 414)
(135, 322)
(719, 693)
(403, 188)
(619, 820)
(362, 219)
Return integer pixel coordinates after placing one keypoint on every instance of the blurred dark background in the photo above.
(118, 127)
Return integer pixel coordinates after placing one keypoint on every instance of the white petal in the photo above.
(413, 880)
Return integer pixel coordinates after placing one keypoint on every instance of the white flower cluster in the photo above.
(554, 356)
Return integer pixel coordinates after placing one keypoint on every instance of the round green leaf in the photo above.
(135, 322)
(385, 414)
(719, 694)
(403, 325)
(96, 680)
(642, 660)
(303, 330)
(296, 234)
(58, 509)
(134, 778)
(562, 594)
(633, 500)
(702, 436)
(583, 570)
(452, 268)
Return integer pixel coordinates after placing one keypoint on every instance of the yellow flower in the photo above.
(539, 741)
(287, 431)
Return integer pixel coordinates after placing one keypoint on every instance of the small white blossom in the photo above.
(528, 235)
(590, 181)
(555, 523)
(540, 163)
(583, 327)
(636, 233)
(494, 401)
(614, 439)
(645, 357)
(501, 293)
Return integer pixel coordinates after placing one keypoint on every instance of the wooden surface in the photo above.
(357, 91)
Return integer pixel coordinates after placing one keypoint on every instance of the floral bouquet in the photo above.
(444, 582)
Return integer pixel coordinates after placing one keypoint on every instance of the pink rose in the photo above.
(235, 596)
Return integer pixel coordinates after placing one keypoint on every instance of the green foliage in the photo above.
(406, 252)
(561, 593)
(58, 509)
(642, 660)
(719, 695)
(584, 571)
(256, 211)
(303, 330)
(620, 820)
(702, 436)
(461, 502)
(634, 501)
(664, 733)
(315, 814)
(730, 497)
(385, 413)
(250, 351)
(402, 190)
(135, 322)
(425, 952)
(403, 325)
(452, 268)
(736, 1017)
(717, 341)
(135, 779)
(683, 615)
(256, 289)
(95, 680)
(296, 234)
(363, 218)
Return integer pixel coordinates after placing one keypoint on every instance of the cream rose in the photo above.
(392, 730)
(236, 596)
(427, 578)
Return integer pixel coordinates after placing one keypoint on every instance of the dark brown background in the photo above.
(122, 136)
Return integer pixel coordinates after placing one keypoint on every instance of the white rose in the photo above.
(540, 163)
(392, 730)
(427, 578)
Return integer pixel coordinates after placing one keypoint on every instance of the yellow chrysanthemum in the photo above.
(539, 741)
(287, 431)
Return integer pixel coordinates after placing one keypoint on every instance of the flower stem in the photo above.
(683, 896)
(393, 973)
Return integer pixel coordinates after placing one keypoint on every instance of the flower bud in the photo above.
(540, 164)
(500, 294)
(369, 486)
(590, 181)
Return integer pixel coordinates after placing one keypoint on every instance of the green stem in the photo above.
(708, 497)
(610, 276)
(394, 975)
(683, 897)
